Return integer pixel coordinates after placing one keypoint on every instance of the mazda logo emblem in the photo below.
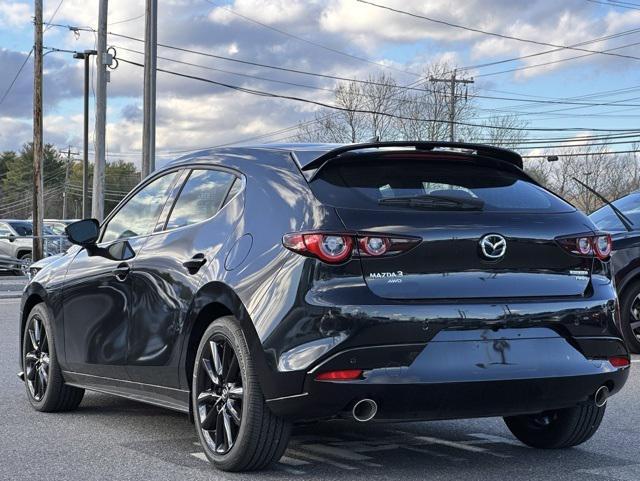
(493, 246)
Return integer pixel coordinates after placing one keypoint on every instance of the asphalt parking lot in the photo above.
(112, 438)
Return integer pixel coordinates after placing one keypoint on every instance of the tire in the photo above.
(26, 260)
(260, 437)
(46, 392)
(562, 428)
(630, 313)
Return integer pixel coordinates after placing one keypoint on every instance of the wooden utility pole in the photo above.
(66, 182)
(102, 60)
(452, 81)
(38, 151)
(149, 96)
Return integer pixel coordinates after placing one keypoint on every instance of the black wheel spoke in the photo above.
(32, 337)
(236, 392)
(209, 370)
(635, 325)
(215, 355)
(228, 434)
(219, 439)
(232, 371)
(209, 422)
(235, 416)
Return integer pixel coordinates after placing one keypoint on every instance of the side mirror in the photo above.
(84, 232)
(11, 237)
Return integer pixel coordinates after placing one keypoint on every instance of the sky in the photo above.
(331, 34)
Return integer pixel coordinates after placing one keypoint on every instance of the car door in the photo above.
(97, 292)
(168, 270)
(6, 248)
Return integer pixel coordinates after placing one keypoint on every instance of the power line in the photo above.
(315, 44)
(6, 92)
(365, 111)
(545, 52)
(582, 154)
(493, 34)
(613, 4)
(53, 15)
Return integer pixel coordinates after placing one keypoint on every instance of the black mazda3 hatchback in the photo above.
(256, 287)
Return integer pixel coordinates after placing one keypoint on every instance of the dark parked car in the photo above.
(625, 261)
(253, 287)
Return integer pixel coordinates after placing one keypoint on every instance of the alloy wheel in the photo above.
(219, 395)
(36, 360)
(25, 265)
(635, 317)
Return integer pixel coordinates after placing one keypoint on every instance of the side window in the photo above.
(4, 230)
(201, 197)
(138, 216)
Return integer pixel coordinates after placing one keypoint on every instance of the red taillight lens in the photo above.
(335, 248)
(343, 375)
(619, 361)
(373, 246)
(331, 248)
(602, 246)
(588, 245)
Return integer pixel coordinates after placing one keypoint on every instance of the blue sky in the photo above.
(192, 114)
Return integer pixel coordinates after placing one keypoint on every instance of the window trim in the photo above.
(223, 204)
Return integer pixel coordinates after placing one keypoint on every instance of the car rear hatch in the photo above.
(495, 234)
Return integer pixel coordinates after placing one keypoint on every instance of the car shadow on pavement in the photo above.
(469, 449)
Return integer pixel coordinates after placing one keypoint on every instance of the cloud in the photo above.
(15, 14)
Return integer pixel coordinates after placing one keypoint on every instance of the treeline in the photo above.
(60, 180)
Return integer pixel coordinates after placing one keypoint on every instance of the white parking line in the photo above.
(320, 459)
(201, 457)
(492, 438)
(340, 453)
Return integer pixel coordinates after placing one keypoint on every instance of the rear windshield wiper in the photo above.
(626, 222)
(427, 201)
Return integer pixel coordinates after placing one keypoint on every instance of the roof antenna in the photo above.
(374, 140)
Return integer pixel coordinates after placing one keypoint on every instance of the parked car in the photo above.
(625, 260)
(254, 287)
(58, 226)
(16, 245)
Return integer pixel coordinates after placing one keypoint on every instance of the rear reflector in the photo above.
(344, 375)
(619, 361)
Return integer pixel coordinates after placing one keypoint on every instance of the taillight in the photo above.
(335, 248)
(330, 248)
(588, 245)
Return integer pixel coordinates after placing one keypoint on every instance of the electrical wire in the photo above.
(493, 34)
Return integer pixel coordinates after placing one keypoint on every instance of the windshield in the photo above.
(607, 220)
(22, 228)
(392, 183)
(26, 228)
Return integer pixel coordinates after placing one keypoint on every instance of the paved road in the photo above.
(116, 439)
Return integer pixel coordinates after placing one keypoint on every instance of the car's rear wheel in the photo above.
(237, 430)
(46, 389)
(561, 428)
(630, 316)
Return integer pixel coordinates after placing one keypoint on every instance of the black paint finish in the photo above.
(459, 336)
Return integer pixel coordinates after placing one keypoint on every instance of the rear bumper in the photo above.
(444, 379)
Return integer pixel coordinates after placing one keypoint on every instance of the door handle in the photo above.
(194, 264)
(122, 271)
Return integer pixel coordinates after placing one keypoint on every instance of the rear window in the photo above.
(362, 184)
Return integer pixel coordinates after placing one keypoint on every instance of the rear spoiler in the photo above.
(310, 162)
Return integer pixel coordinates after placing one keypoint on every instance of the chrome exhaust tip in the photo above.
(601, 396)
(364, 410)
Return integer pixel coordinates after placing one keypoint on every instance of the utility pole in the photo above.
(38, 153)
(66, 182)
(149, 101)
(452, 81)
(102, 60)
(86, 56)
